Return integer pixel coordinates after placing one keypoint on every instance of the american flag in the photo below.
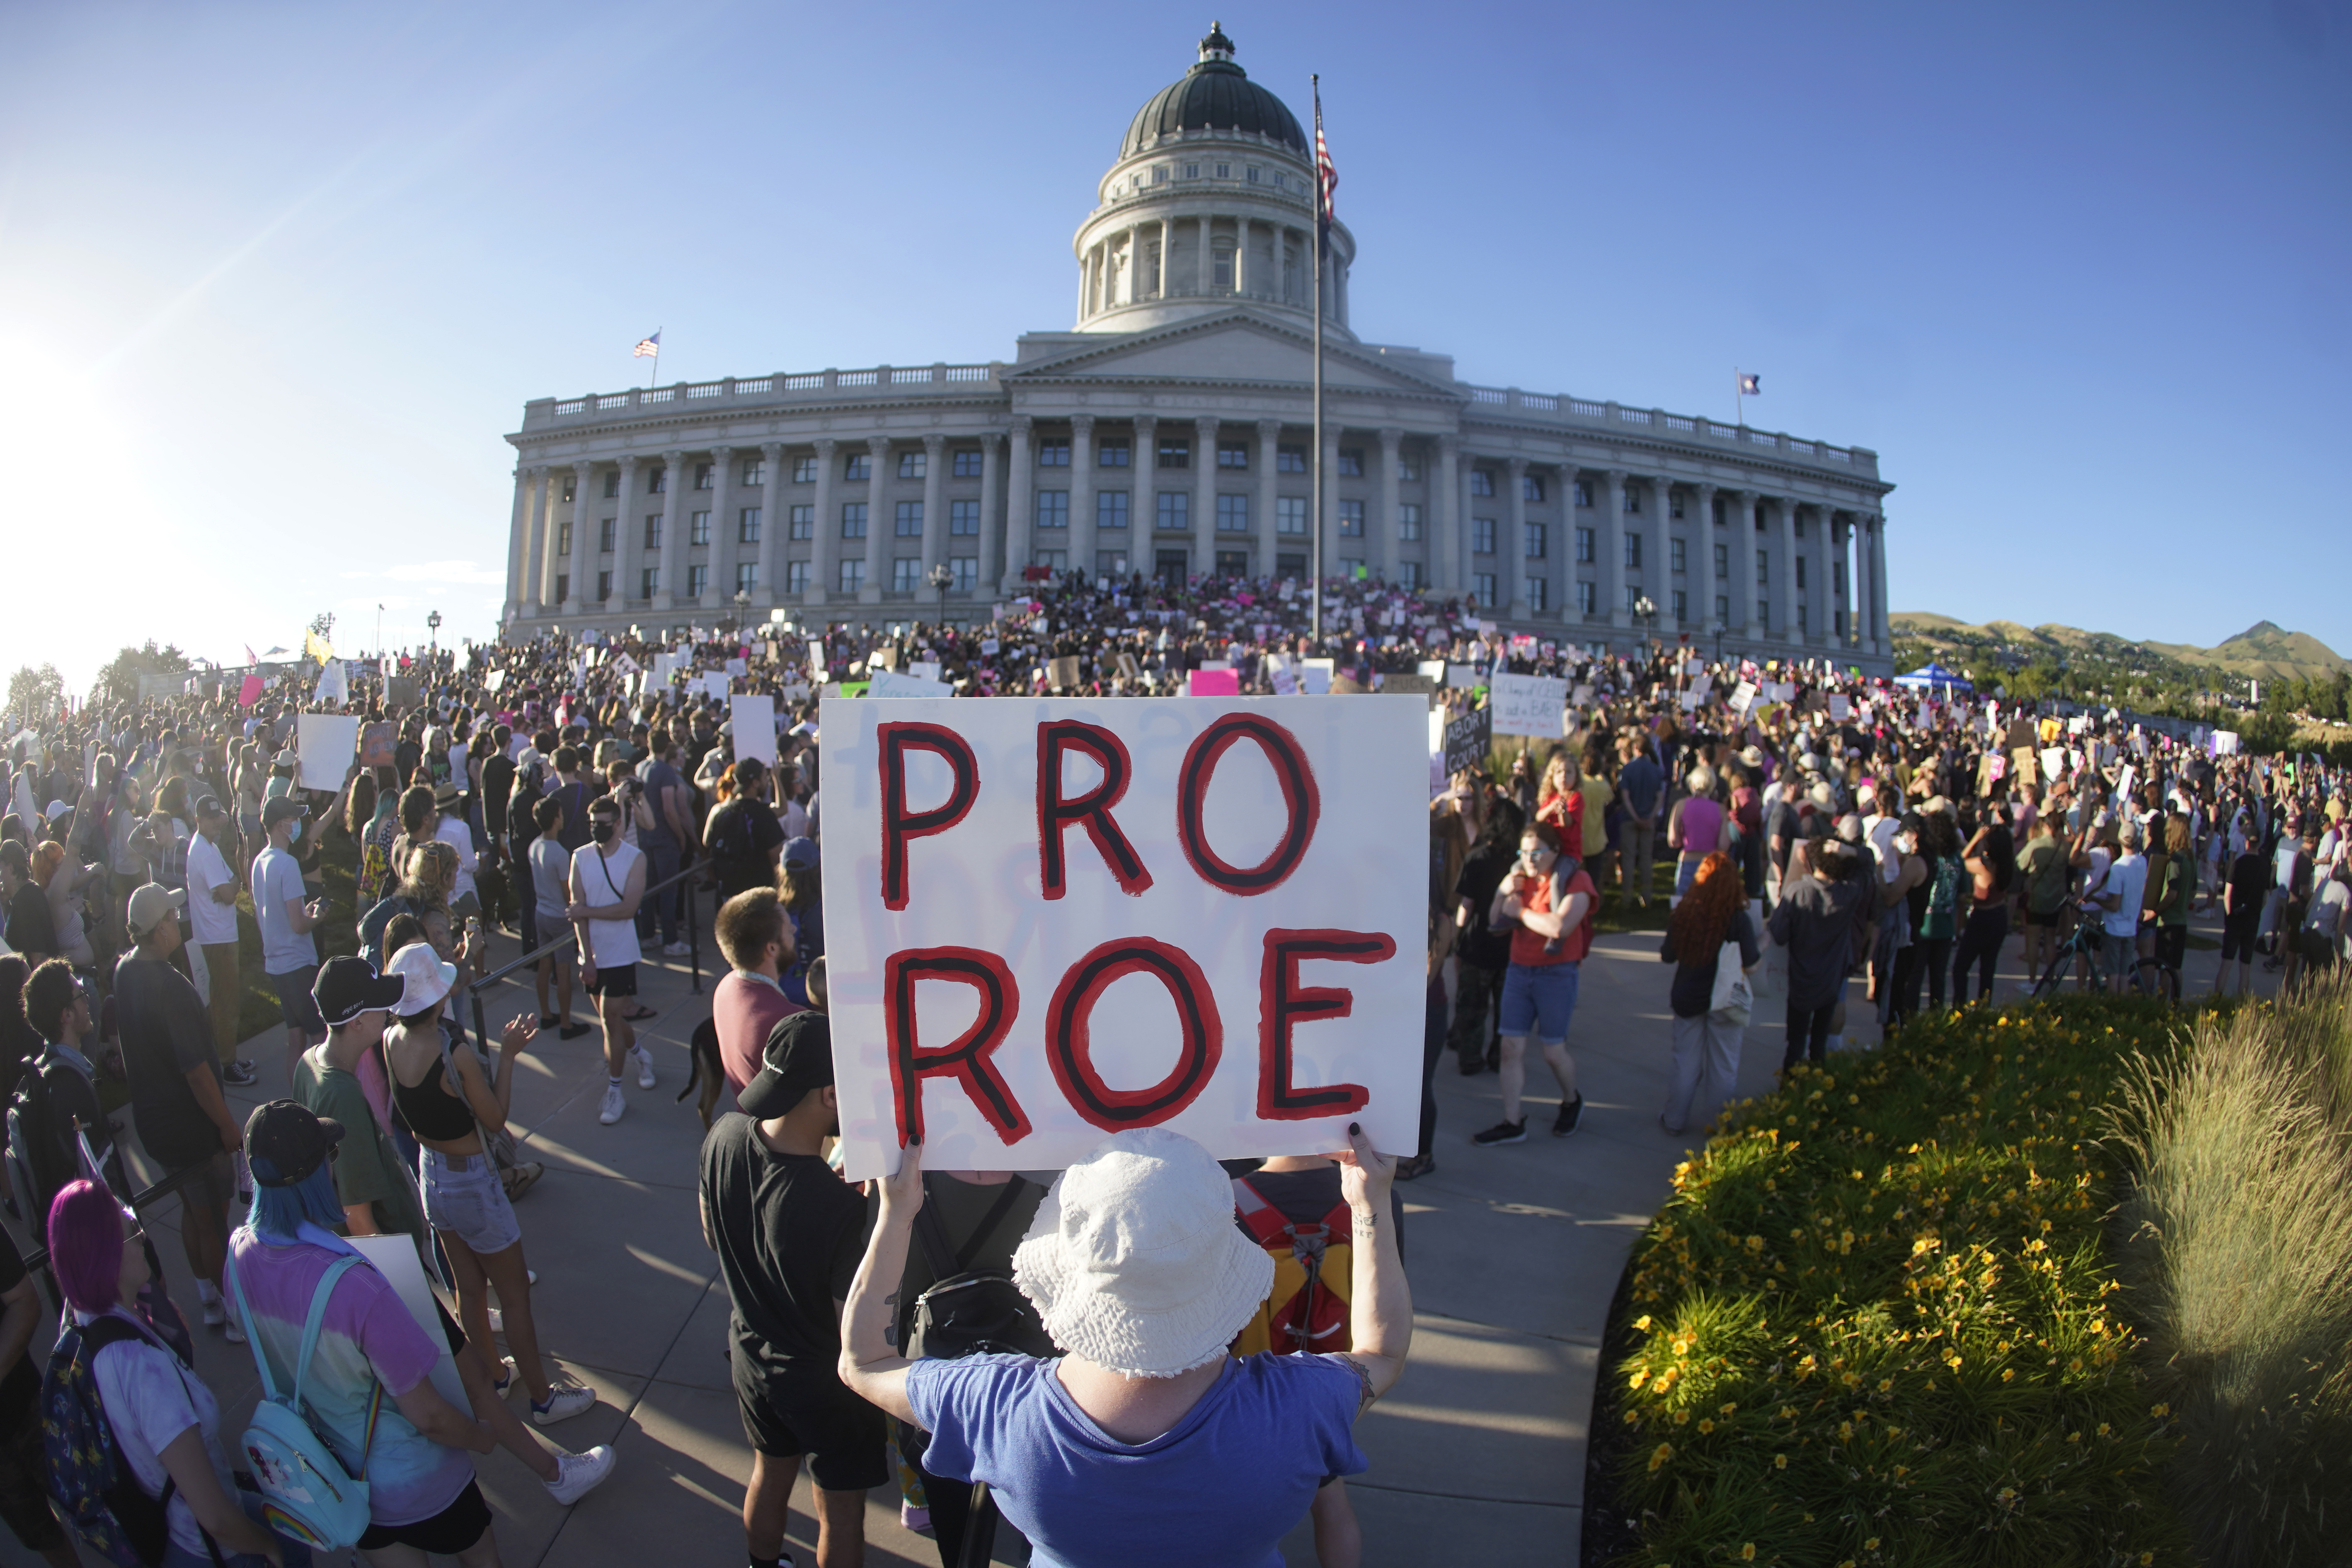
(1327, 177)
(1751, 386)
(649, 346)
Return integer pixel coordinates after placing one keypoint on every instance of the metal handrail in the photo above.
(693, 936)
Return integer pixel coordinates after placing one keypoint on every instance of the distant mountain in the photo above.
(2262, 651)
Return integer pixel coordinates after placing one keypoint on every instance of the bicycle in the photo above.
(2087, 941)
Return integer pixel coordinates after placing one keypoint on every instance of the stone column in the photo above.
(1878, 629)
(1384, 522)
(1841, 618)
(879, 524)
(539, 579)
(771, 526)
(1662, 522)
(1020, 505)
(1143, 460)
(825, 542)
(991, 520)
(935, 524)
(1511, 550)
(1784, 570)
(1082, 493)
(1167, 256)
(725, 549)
(517, 547)
(1739, 520)
(1269, 438)
(1611, 516)
(671, 561)
(1204, 496)
(1701, 533)
(581, 524)
(622, 548)
(1327, 527)
(1469, 505)
(1444, 546)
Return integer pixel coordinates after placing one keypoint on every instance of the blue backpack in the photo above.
(309, 1495)
(93, 1487)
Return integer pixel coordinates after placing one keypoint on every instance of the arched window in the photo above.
(1223, 252)
(1293, 288)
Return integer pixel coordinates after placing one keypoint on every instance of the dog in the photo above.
(708, 1074)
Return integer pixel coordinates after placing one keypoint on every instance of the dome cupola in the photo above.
(1214, 95)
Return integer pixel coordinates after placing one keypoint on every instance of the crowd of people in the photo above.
(994, 1343)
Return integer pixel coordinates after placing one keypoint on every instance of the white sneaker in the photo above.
(216, 1311)
(504, 1382)
(564, 1400)
(676, 950)
(576, 1475)
(644, 1065)
(233, 1332)
(613, 1105)
(497, 1321)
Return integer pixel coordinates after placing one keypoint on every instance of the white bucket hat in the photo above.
(423, 978)
(1135, 1262)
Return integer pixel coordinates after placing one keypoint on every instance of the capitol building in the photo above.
(1170, 431)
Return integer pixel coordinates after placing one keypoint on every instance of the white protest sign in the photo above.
(1285, 683)
(1434, 669)
(1583, 696)
(2053, 762)
(1695, 667)
(715, 686)
(334, 686)
(1690, 701)
(1743, 698)
(738, 667)
(1314, 675)
(1052, 920)
(1841, 708)
(495, 680)
(754, 719)
(2225, 742)
(327, 743)
(1464, 675)
(1529, 704)
(987, 646)
(395, 1258)
(891, 683)
(928, 668)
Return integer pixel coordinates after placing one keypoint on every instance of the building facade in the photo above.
(1171, 433)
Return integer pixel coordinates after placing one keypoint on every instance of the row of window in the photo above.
(1252, 173)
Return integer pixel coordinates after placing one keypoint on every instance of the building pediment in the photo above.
(1236, 349)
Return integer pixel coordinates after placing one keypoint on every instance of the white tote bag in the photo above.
(1733, 996)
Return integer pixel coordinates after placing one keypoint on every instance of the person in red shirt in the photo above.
(1539, 987)
(757, 942)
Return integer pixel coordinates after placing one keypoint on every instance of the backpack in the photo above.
(373, 923)
(86, 1477)
(968, 1310)
(1306, 1312)
(312, 1496)
(39, 1164)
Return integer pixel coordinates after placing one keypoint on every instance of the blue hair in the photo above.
(277, 1212)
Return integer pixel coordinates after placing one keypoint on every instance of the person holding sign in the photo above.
(1539, 987)
(1146, 1430)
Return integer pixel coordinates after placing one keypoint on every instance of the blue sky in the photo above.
(276, 280)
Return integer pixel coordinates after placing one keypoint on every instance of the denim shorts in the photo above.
(1539, 999)
(464, 1197)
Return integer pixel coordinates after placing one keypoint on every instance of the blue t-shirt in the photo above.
(1638, 782)
(1219, 1490)
(277, 881)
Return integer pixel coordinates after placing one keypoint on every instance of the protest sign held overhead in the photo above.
(1050, 920)
(1529, 704)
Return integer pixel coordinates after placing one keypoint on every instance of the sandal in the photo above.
(520, 1179)
(641, 1013)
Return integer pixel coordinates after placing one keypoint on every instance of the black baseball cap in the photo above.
(284, 1142)
(349, 986)
(278, 807)
(797, 1058)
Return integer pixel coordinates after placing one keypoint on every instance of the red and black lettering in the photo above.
(1283, 1004)
(1068, 1039)
(1092, 809)
(1302, 804)
(899, 826)
(967, 1059)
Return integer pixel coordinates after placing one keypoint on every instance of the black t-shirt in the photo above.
(790, 1233)
(166, 1035)
(30, 928)
(20, 1385)
(2250, 878)
(738, 835)
(498, 784)
(1483, 871)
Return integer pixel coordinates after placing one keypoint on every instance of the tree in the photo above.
(34, 693)
(119, 681)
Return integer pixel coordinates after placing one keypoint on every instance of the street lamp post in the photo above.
(432, 624)
(1646, 613)
(743, 603)
(941, 578)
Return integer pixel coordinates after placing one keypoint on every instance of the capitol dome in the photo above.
(1214, 95)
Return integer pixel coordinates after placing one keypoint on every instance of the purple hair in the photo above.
(86, 1245)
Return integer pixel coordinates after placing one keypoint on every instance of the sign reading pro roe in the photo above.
(1048, 921)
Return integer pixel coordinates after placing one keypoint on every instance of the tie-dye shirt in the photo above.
(367, 1334)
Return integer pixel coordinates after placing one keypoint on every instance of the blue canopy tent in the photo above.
(1934, 675)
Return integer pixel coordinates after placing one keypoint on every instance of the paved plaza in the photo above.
(1478, 1455)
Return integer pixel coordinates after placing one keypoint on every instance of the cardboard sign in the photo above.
(891, 683)
(1213, 683)
(401, 691)
(377, 742)
(326, 743)
(1468, 739)
(1065, 670)
(1529, 704)
(1052, 919)
(754, 719)
(1408, 685)
(1464, 677)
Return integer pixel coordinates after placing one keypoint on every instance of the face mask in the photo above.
(602, 832)
(294, 832)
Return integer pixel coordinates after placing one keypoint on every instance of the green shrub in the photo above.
(2235, 1244)
(1876, 1323)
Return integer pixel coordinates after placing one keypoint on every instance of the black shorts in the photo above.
(453, 1530)
(2049, 918)
(621, 981)
(842, 1434)
(2171, 946)
(24, 1506)
(295, 1003)
(2238, 935)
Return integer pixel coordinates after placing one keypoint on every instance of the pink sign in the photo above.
(250, 692)
(1215, 683)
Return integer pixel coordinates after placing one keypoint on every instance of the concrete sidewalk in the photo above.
(1478, 1455)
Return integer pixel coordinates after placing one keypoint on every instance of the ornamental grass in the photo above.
(1878, 1322)
(2235, 1248)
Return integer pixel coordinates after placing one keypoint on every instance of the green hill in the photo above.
(2298, 672)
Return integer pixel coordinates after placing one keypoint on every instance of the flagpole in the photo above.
(1738, 399)
(1321, 260)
